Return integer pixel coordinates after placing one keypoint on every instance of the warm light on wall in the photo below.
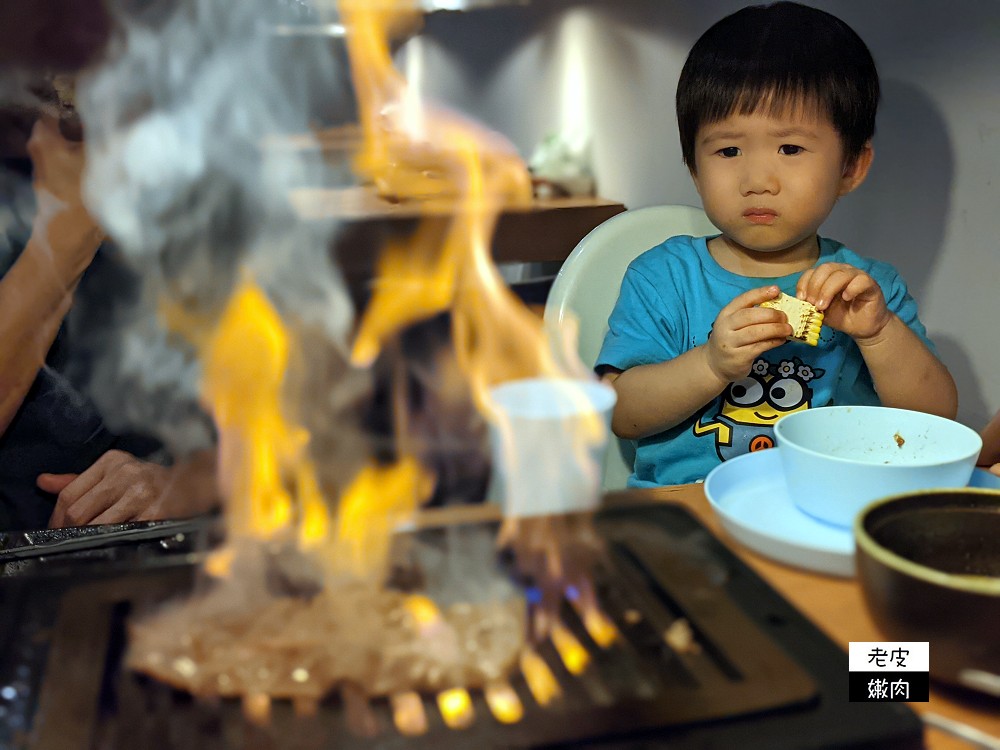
(576, 44)
(412, 102)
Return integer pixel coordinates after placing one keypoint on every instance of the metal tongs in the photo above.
(45, 542)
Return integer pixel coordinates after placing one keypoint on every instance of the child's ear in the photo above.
(856, 170)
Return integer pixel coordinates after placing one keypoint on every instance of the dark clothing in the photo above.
(56, 430)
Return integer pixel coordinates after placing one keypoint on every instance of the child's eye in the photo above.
(789, 149)
(728, 152)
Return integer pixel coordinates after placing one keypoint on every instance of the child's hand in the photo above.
(850, 299)
(742, 332)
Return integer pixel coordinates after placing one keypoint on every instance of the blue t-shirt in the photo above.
(669, 299)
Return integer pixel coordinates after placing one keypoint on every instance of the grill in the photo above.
(760, 675)
(47, 551)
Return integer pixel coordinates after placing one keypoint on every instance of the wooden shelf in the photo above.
(546, 230)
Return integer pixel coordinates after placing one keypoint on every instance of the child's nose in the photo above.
(759, 178)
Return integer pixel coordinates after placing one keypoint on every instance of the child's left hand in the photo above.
(850, 300)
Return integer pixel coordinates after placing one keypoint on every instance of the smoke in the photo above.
(188, 123)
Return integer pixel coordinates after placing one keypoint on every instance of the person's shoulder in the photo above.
(681, 248)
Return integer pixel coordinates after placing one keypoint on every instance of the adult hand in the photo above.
(120, 487)
(851, 300)
(742, 332)
(62, 222)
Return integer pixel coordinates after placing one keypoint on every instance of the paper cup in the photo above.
(548, 438)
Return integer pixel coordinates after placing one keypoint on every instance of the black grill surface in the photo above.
(762, 677)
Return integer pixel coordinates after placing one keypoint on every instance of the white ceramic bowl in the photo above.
(837, 459)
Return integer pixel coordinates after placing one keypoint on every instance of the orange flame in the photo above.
(541, 682)
(503, 702)
(459, 172)
(418, 152)
(408, 714)
(244, 373)
(572, 653)
(456, 708)
(265, 471)
(379, 499)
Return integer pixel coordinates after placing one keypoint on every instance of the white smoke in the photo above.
(177, 119)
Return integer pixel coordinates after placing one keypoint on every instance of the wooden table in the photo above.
(836, 606)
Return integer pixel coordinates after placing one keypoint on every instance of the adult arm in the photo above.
(37, 292)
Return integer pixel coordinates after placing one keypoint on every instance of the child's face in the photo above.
(768, 182)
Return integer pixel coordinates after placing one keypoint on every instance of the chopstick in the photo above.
(984, 682)
(975, 737)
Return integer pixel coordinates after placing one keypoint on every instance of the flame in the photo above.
(266, 474)
(541, 682)
(424, 612)
(456, 708)
(503, 702)
(572, 653)
(244, 372)
(599, 626)
(464, 176)
(456, 169)
(257, 708)
(408, 715)
(379, 499)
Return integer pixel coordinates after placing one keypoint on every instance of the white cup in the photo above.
(548, 437)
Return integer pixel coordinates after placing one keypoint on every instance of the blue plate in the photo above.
(749, 496)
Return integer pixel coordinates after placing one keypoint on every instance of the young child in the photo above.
(776, 108)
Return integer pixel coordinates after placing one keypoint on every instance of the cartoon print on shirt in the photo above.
(744, 423)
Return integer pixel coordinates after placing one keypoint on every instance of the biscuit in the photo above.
(803, 317)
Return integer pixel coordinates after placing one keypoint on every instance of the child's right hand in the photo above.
(742, 332)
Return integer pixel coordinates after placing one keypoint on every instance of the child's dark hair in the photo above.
(769, 57)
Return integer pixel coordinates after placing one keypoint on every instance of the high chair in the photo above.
(588, 284)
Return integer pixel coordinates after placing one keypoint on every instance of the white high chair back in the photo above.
(589, 281)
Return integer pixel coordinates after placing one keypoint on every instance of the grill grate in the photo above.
(663, 566)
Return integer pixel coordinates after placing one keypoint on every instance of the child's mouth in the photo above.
(760, 215)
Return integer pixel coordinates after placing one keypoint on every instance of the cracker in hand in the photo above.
(803, 317)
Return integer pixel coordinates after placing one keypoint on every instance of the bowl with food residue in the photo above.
(838, 459)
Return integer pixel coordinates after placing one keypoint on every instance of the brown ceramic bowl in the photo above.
(929, 566)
